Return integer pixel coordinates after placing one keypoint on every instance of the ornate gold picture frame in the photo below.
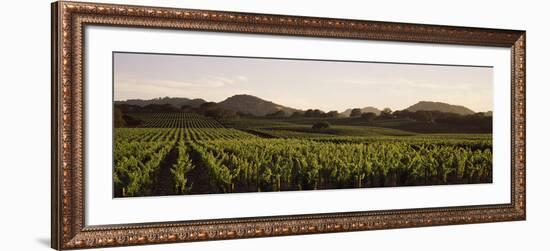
(69, 230)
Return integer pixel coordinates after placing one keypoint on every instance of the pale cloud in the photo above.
(405, 83)
(128, 88)
(216, 81)
(363, 83)
(436, 86)
(242, 78)
(204, 82)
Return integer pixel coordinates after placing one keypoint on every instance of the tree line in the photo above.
(483, 121)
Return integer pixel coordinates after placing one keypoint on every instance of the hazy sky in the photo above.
(301, 84)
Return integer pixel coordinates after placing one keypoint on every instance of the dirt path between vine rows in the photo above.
(164, 182)
(198, 176)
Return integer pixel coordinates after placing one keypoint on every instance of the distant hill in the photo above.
(439, 106)
(176, 102)
(374, 110)
(249, 104)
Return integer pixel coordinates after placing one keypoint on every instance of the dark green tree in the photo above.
(321, 125)
(368, 116)
(118, 118)
(277, 114)
(356, 112)
(386, 113)
(332, 114)
(297, 114)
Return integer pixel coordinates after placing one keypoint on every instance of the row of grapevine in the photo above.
(190, 134)
(138, 153)
(179, 120)
(180, 169)
(274, 165)
(467, 141)
(135, 165)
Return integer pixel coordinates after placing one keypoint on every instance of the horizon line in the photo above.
(303, 109)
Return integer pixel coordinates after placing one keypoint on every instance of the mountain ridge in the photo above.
(249, 104)
(439, 106)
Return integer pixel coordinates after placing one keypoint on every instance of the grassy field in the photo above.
(187, 153)
(401, 126)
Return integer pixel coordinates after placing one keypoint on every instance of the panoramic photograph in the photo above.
(198, 124)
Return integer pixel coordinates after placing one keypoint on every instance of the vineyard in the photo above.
(192, 154)
(179, 120)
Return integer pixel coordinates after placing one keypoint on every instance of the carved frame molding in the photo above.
(68, 22)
